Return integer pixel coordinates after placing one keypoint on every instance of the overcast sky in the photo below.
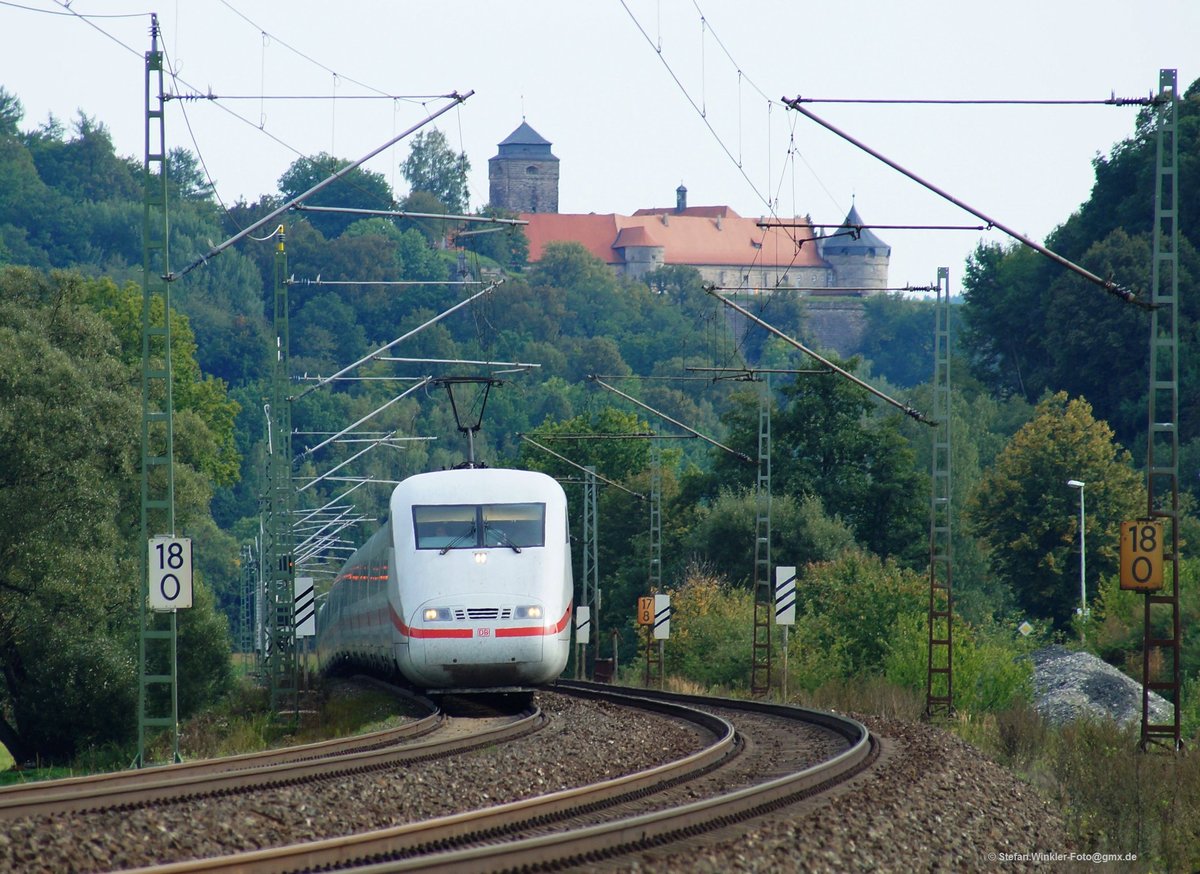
(597, 79)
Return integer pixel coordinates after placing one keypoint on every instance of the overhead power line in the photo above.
(329, 180)
(908, 411)
(403, 214)
(1108, 285)
(196, 95)
(1152, 100)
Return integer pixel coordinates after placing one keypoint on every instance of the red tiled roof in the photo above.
(700, 211)
(696, 239)
(635, 236)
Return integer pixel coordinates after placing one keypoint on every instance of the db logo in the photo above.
(483, 632)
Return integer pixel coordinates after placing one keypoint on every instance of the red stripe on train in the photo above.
(465, 633)
(421, 633)
(536, 630)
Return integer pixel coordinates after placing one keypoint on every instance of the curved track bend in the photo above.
(670, 802)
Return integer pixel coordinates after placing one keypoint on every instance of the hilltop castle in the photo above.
(727, 249)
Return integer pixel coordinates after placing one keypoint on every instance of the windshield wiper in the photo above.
(470, 532)
(501, 535)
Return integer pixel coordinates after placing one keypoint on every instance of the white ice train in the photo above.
(467, 586)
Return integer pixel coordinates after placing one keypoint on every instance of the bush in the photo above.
(846, 612)
(990, 671)
(1118, 800)
(711, 628)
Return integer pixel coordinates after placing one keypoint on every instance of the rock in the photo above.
(1069, 685)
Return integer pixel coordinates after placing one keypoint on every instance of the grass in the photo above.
(240, 723)
(1114, 799)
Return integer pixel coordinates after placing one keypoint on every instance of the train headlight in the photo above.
(531, 612)
(481, 558)
(437, 614)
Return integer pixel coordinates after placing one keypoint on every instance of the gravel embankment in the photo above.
(584, 742)
(931, 803)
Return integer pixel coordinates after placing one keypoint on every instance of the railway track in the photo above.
(738, 774)
(255, 771)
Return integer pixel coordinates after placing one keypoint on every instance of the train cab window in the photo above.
(445, 526)
(462, 526)
(516, 525)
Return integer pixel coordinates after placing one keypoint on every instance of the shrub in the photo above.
(711, 628)
(990, 672)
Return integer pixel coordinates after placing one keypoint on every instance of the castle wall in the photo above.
(523, 185)
(835, 323)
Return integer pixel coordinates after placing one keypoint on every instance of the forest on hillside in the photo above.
(1050, 384)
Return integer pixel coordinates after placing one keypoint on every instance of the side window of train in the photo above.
(517, 525)
(444, 526)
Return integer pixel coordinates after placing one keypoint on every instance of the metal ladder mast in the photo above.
(654, 665)
(939, 685)
(245, 638)
(655, 517)
(1162, 468)
(158, 688)
(764, 586)
(278, 556)
(591, 561)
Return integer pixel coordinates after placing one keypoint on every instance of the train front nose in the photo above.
(477, 642)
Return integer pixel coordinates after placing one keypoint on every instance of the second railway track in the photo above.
(647, 779)
(777, 755)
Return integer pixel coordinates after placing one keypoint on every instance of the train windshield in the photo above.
(471, 526)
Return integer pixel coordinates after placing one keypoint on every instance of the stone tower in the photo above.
(523, 176)
(860, 262)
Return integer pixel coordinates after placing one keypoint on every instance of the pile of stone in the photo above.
(1069, 685)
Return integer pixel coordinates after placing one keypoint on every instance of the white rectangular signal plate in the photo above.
(662, 617)
(170, 573)
(583, 624)
(785, 595)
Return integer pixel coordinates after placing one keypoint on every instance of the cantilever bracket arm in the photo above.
(907, 410)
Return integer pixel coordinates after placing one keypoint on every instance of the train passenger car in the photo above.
(466, 587)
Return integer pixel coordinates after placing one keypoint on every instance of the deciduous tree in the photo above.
(1029, 517)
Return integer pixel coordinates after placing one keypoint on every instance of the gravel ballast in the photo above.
(931, 802)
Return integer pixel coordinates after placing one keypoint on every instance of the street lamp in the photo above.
(1083, 608)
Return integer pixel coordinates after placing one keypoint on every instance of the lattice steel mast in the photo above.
(764, 584)
(1162, 463)
(157, 670)
(278, 559)
(939, 685)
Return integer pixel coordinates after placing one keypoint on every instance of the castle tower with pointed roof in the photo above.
(858, 257)
(523, 176)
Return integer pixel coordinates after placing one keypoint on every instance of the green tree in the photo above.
(828, 442)
(722, 534)
(67, 473)
(359, 189)
(69, 548)
(11, 113)
(1029, 518)
(433, 167)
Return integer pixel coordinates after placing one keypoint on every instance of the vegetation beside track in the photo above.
(240, 723)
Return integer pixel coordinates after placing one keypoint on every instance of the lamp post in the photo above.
(1083, 608)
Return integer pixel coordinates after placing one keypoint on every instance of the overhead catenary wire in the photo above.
(563, 458)
(369, 415)
(1152, 100)
(830, 289)
(329, 180)
(398, 340)
(675, 422)
(320, 281)
(209, 95)
(403, 214)
(1108, 285)
(907, 410)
